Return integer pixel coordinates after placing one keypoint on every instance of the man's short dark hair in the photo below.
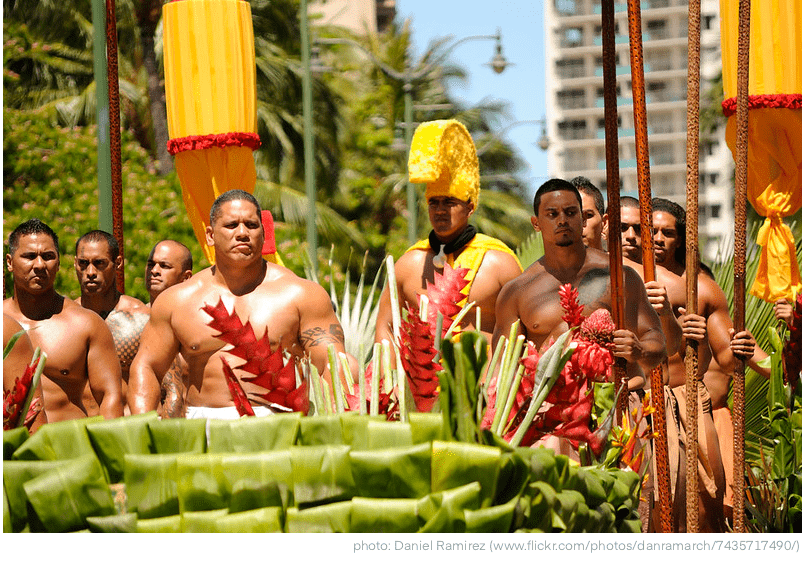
(233, 195)
(100, 236)
(30, 227)
(629, 202)
(186, 262)
(588, 188)
(554, 185)
(677, 212)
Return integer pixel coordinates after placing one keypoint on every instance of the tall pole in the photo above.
(659, 419)
(613, 192)
(413, 200)
(309, 155)
(114, 138)
(691, 354)
(105, 221)
(740, 197)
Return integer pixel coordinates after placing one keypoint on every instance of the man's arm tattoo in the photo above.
(320, 336)
(173, 391)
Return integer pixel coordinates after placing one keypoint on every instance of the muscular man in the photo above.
(295, 313)
(14, 365)
(451, 201)
(77, 342)
(533, 296)
(97, 263)
(170, 262)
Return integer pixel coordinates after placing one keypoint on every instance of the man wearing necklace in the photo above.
(97, 262)
(451, 200)
(78, 344)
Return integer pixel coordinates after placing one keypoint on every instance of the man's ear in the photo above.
(471, 207)
(535, 222)
(118, 263)
(8, 262)
(186, 275)
(605, 220)
(210, 237)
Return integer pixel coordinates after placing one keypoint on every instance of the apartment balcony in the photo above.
(598, 9)
(620, 70)
(621, 101)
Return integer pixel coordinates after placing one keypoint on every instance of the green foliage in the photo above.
(50, 173)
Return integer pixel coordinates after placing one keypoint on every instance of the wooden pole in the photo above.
(740, 197)
(646, 222)
(613, 191)
(114, 136)
(691, 355)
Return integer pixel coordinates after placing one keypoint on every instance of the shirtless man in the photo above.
(453, 241)
(170, 262)
(97, 263)
(14, 365)
(533, 297)
(296, 313)
(77, 342)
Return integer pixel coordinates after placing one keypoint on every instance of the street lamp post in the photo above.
(309, 154)
(408, 78)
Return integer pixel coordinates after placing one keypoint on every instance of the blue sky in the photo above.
(521, 85)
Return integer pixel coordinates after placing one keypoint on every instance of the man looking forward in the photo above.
(77, 342)
(296, 314)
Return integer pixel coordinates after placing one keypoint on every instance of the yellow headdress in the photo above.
(443, 156)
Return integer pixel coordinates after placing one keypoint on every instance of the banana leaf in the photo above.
(114, 524)
(458, 463)
(178, 435)
(15, 474)
(514, 476)
(571, 512)
(161, 525)
(200, 482)
(115, 438)
(497, 519)
(13, 439)
(331, 518)
(388, 435)
(320, 430)
(321, 474)
(64, 496)
(588, 485)
(426, 427)
(384, 515)
(254, 434)
(151, 489)
(63, 440)
(201, 521)
(538, 507)
(260, 480)
(263, 520)
(6, 514)
(354, 428)
(443, 511)
(396, 473)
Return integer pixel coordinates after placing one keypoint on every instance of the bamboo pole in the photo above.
(691, 354)
(646, 220)
(114, 137)
(740, 197)
(613, 191)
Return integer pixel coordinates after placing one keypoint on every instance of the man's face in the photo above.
(237, 231)
(665, 237)
(632, 233)
(448, 216)
(94, 267)
(34, 264)
(593, 230)
(164, 268)
(560, 219)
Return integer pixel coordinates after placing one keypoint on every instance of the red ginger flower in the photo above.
(417, 352)
(572, 309)
(14, 399)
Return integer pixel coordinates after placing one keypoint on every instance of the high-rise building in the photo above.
(360, 16)
(574, 82)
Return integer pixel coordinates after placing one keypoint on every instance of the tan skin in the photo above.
(595, 224)
(77, 342)
(165, 268)
(17, 361)
(97, 276)
(296, 313)
(449, 217)
(533, 297)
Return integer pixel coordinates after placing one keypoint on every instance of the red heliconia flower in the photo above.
(417, 352)
(14, 399)
(599, 328)
(269, 369)
(385, 405)
(572, 309)
(445, 296)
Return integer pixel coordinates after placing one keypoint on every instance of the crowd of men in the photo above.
(110, 354)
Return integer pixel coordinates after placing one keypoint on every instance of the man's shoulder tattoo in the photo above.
(320, 336)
